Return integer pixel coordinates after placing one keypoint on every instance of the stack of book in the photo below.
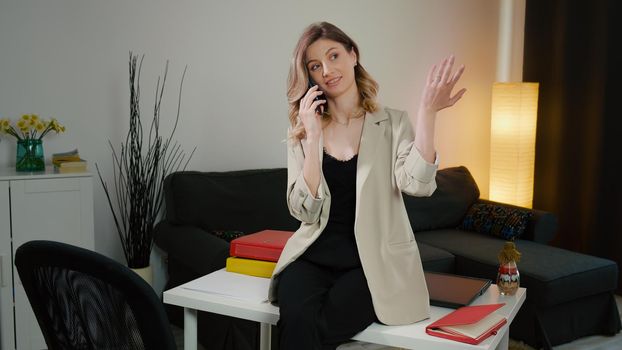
(256, 254)
(68, 162)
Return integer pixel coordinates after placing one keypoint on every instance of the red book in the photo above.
(264, 245)
(469, 324)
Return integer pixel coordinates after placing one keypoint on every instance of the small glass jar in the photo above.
(29, 155)
(508, 278)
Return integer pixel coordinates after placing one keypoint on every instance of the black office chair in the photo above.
(84, 300)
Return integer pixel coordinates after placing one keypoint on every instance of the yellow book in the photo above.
(68, 163)
(250, 267)
(71, 156)
(66, 158)
(71, 167)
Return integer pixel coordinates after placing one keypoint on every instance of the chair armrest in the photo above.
(541, 228)
(202, 252)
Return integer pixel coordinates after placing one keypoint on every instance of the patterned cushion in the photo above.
(504, 222)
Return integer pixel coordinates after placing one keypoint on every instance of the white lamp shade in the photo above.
(513, 142)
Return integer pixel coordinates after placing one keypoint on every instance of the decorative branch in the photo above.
(139, 170)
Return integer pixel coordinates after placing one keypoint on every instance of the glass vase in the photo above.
(508, 278)
(29, 155)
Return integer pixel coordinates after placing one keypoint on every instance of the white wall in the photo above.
(68, 59)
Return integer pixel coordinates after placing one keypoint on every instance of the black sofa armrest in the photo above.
(541, 228)
(198, 250)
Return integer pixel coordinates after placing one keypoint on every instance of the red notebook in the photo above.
(263, 245)
(469, 324)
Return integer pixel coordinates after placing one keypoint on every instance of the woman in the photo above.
(354, 259)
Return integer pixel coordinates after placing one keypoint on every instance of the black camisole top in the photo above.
(336, 245)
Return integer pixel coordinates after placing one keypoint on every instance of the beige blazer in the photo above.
(388, 164)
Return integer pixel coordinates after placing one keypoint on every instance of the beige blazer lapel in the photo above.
(372, 132)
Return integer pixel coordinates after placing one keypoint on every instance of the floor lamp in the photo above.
(513, 117)
(513, 142)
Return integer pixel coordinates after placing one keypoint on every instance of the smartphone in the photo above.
(319, 108)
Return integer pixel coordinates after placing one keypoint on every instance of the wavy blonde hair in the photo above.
(298, 78)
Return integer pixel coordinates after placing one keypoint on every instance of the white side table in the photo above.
(411, 336)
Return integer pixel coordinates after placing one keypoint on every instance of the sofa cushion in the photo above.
(551, 275)
(247, 200)
(192, 247)
(456, 191)
(434, 259)
(501, 221)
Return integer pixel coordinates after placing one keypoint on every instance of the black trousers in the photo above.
(321, 307)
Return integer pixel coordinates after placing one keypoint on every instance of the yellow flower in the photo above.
(34, 119)
(23, 124)
(56, 126)
(4, 124)
(30, 126)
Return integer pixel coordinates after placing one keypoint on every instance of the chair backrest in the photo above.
(84, 300)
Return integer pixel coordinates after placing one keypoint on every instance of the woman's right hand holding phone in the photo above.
(312, 122)
(310, 118)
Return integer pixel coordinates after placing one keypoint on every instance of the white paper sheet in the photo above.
(235, 285)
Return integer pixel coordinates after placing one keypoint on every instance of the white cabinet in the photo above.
(48, 206)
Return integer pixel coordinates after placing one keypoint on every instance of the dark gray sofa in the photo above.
(569, 295)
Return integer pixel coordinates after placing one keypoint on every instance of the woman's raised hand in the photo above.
(439, 84)
(311, 120)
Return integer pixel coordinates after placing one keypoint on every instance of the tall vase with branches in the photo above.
(139, 168)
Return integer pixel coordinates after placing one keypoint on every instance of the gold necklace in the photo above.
(358, 115)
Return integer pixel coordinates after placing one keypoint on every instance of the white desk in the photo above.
(411, 336)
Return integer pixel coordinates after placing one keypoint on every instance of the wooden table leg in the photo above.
(265, 336)
(190, 329)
